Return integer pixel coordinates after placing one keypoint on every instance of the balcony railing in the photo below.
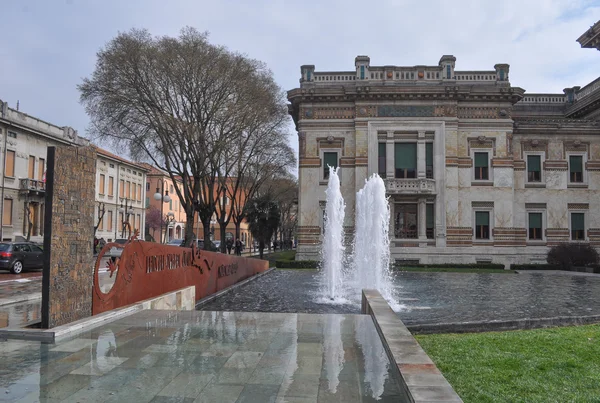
(32, 185)
(409, 186)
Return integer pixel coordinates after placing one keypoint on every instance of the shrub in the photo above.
(296, 264)
(517, 266)
(496, 266)
(569, 255)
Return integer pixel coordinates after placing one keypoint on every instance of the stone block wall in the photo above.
(68, 258)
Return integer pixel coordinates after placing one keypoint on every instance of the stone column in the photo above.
(421, 155)
(389, 155)
(422, 221)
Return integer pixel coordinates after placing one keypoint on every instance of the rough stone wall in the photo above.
(68, 266)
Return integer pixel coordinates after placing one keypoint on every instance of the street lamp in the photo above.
(126, 209)
(158, 196)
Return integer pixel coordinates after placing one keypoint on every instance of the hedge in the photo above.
(541, 266)
(296, 264)
(496, 266)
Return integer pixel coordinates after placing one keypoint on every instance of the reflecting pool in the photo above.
(203, 356)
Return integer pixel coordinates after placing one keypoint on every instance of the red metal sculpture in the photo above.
(147, 269)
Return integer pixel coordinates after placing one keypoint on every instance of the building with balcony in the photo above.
(475, 169)
(120, 197)
(25, 140)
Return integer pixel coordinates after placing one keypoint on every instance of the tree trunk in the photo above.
(222, 231)
(189, 228)
(206, 230)
(261, 247)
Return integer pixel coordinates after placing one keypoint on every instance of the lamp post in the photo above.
(158, 196)
(126, 208)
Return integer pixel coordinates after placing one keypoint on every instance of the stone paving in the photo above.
(193, 356)
(432, 298)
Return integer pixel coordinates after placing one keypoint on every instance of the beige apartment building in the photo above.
(476, 169)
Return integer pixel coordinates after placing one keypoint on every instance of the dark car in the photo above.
(17, 256)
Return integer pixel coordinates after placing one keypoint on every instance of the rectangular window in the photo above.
(12, 134)
(147, 202)
(482, 225)
(127, 189)
(534, 168)
(329, 159)
(111, 184)
(171, 189)
(138, 222)
(109, 220)
(406, 221)
(535, 226)
(405, 160)
(139, 192)
(31, 170)
(147, 186)
(381, 160)
(576, 168)
(481, 166)
(362, 72)
(101, 185)
(41, 169)
(430, 221)
(171, 204)
(121, 188)
(7, 217)
(10, 164)
(577, 226)
(429, 160)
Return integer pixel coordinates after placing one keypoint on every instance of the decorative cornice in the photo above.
(482, 112)
(578, 206)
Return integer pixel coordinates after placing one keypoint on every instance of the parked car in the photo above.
(115, 252)
(175, 242)
(17, 256)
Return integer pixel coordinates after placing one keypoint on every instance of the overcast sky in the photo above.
(48, 46)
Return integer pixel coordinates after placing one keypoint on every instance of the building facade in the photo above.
(25, 141)
(120, 197)
(173, 214)
(475, 169)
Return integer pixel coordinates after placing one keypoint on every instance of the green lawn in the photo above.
(544, 365)
(452, 270)
(274, 256)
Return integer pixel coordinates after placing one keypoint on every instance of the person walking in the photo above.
(238, 247)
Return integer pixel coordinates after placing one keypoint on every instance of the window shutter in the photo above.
(405, 155)
(481, 160)
(330, 159)
(576, 163)
(10, 163)
(429, 154)
(577, 222)
(482, 218)
(535, 220)
(429, 216)
(533, 163)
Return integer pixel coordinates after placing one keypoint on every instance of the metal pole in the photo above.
(3, 182)
(162, 190)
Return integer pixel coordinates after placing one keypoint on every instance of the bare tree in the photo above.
(182, 104)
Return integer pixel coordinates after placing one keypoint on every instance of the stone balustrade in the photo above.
(409, 186)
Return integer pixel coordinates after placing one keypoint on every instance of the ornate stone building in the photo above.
(475, 169)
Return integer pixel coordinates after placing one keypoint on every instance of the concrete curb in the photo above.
(227, 290)
(417, 373)
(497, 326)
(20, 298)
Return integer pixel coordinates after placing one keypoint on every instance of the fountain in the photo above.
(371, 239)
(333, 240)
(371, 246)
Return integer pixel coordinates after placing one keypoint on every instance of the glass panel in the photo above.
(429, 160)
(577, 222)
(381, 154)
(405, 155)
(535, 220)
(429, 221)
(576, 163)
(533, 163)
(481, 160)
(329, 159)
(405, 221)
(482, 218)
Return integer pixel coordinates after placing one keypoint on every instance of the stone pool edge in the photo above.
(178, 300)
(419, 375)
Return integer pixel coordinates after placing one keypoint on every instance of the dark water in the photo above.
(431, 298)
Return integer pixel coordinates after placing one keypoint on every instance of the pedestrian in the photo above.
(238, 247)
(229, 245)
